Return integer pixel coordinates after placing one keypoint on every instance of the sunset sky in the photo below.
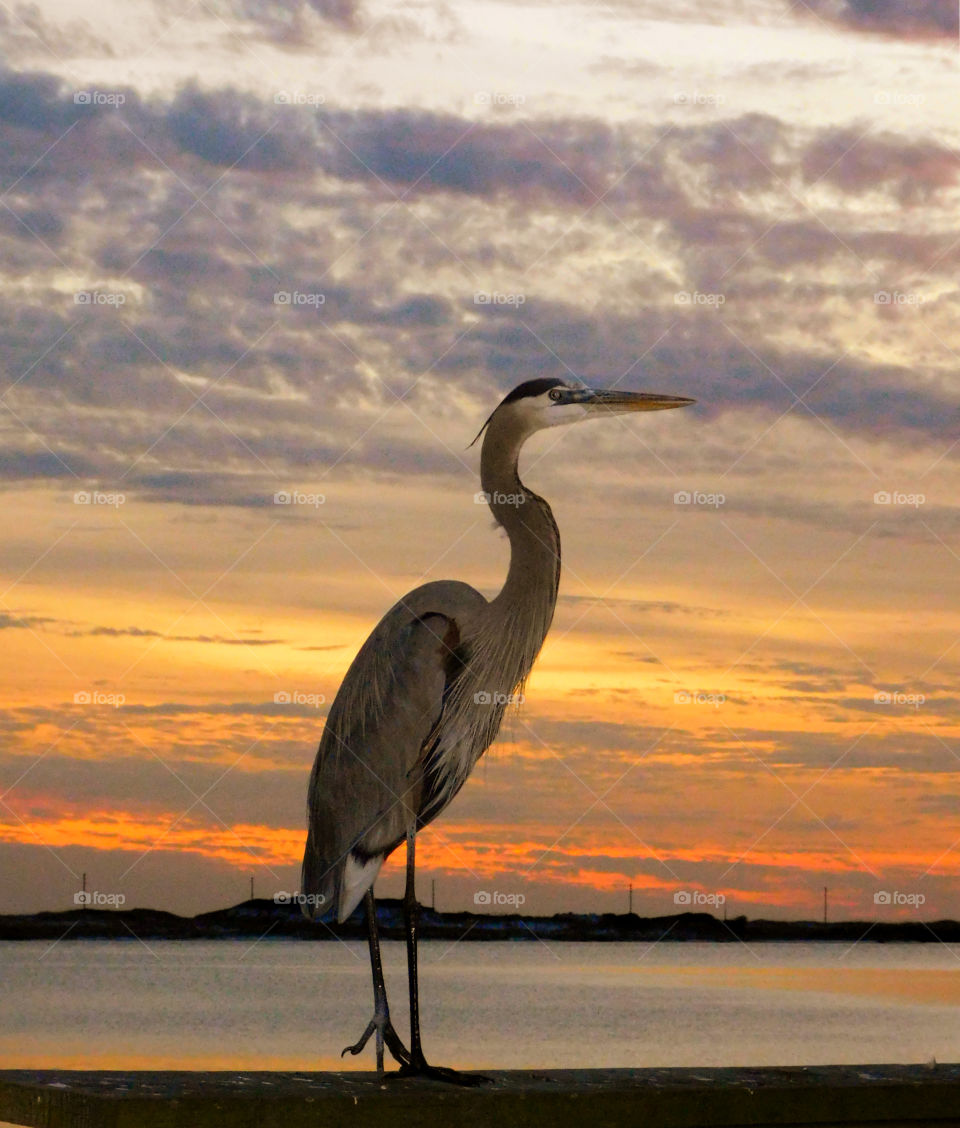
(304, 247)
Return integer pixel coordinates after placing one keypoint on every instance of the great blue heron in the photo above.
(425, 695)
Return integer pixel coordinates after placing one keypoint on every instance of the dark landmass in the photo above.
(262, 919)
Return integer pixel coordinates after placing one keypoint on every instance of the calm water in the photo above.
(288, 1005)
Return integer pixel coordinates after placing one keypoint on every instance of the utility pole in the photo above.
(824, 904)
(630, 899)
(251, 887)
(84, 883)
(433, 894)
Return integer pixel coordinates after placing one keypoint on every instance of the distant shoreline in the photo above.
(262, 919)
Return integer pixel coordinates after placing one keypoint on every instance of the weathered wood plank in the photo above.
(826, 1096)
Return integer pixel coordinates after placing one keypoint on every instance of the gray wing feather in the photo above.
(366, 787)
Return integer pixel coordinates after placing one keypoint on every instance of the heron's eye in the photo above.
(556, 394)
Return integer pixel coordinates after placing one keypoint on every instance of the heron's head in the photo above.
(548, 402)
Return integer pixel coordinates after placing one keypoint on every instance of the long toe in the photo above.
(357, 1046)
(391, 1039)
(442, 1073)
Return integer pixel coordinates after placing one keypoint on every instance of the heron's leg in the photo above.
(411, 920)
(380, 1023)
(417, 1065)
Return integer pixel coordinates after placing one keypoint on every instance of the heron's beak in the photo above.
(615, 403)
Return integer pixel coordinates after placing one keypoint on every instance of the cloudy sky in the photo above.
(302, 248)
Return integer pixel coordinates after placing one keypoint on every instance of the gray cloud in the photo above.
(142, 785)
(110, 391)
(287, 20)
(915, 171)
(910, 19)
(12, 621)
(141, 632)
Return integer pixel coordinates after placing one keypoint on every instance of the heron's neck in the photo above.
(529, 594)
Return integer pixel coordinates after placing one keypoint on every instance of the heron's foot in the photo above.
(386, 1036)
(440, 1073)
